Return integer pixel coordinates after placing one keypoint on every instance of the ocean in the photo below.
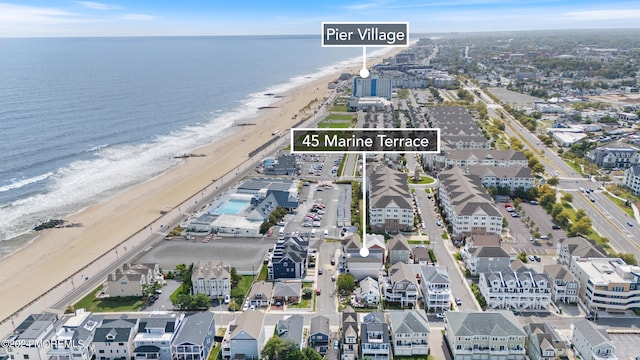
(84, 118)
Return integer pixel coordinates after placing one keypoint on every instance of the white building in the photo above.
(211, 280)
(390, 207)
(592, 342)
(513, 177)
(401, 285)
(368, 293)
(522, 289)
(467, 206)
(435, 286)
(131, 279)
(608, 284)
(21, 344)
(155, 336)
(74, 340)
(409, 332)
(632, 179)
(113, 339)
(464, 158)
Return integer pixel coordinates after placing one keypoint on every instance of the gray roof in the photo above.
(434, 275)
(195, 328)
(290, 328)
(480, 154)
(282, 289)
(634, 170)
(490, 251)
(595, 335)
(256, 184)
(250, 322)
(542, 336)
(501, 171)
(116, 330)
(261, 290)
(398, 242)
(499, 323)
(374, 321)
(349, 323)
(320, 325)
(408, 322)
(206, 270)
(559, 272)
(581, 247)
(466, 193)
(33, 326)
(387, 185)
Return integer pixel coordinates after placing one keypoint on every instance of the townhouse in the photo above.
(113, 339)
(409, 332)
(155, 335)
(592, 342)
(484, 335)
(349, 336)
(564, 285)
(211, 280)
(194, 339)
(520, 288)
(374, 337)
(289, 259)
(244, 337)
(401, 286)
(435, 287)
(543, 343)
(74, 340)
(571, 250)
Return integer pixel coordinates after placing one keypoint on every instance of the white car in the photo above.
(245, 307)
(440, 315)
(227, 299)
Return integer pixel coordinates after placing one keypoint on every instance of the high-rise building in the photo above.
(372, 86)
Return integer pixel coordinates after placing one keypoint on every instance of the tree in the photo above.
(523, 257)
(278, 349)
(582, 226)
(537, 168)
(309, 353)
(567, 197)
(235, 277)
(555, 210)
(580, 213)
(200, 302)
(346, 283)
(553, 181)
(628, 258)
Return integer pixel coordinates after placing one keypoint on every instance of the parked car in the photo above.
(318, 291)
(439, 223)
(320, 271)
(458, 301)
(440, 315)
(555, 227)
(227, 299)
(629, 223)
(537, 258)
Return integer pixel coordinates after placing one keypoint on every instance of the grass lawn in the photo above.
(303, 304)
(425, 180)
(339, 108)
(215, 352)
(339, 117)
(418, 242)
(444, 236)
(239, 292)
(572, 215)
(574, 166)
(90, 303)
(334, 125)
(621, 204)
(263, 273)
(307, 285)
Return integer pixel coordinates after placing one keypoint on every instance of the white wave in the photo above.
(21, 183)
(96, 148)
(118, 167)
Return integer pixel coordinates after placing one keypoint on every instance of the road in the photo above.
(623, 240)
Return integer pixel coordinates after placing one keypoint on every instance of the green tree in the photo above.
(555, 210)
(580, 213)
(346, 283)
(562, 219)
(278, 349)
(582, 226)
(627, 257)
(567, 197)
(200, 302)
(309, 353)
(235, 277)
(553, 181)
(537, 168)
(523, 257)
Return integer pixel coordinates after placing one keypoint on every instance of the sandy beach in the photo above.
(59, 253)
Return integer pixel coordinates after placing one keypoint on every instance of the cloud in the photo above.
(137, 17)
(98, 6)
(23, 14)
(367, 5)
(590, 15)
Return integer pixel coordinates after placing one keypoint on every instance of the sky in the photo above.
(45, 18)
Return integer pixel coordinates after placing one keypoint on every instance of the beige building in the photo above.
(130, 280)
(211, 280)
(608, 284)
(484, 335)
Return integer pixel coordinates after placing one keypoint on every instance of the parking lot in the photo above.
(626, 345)
(521, 242)
(247, 253)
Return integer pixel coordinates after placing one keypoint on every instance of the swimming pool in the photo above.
(232, 206)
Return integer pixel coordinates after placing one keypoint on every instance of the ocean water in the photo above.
(84, 118)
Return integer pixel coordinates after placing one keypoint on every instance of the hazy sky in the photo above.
(216, 17)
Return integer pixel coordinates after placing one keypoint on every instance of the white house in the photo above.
(74, 340)
(211, 280)
(521, 288)
(591, 342)
(368, 293)
(409, 332)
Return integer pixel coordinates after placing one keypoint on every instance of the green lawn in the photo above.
(339, 117)
(621, 204)
(444, 236)
(334, 125)
(239, 292)
(90, 303)
(215, 352)
(303, 304)
(574, 166)
(264, 272)
(418, 242)
(339, 108)
(425, 180)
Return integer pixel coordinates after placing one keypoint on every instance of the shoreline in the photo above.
(55, 255)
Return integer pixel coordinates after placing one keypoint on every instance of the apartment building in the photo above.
(607, 157)
(513, 177)
(390, 207)
(564, 285)
(211, 280)
(464, 158)
(466, 205)
(632, 179)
